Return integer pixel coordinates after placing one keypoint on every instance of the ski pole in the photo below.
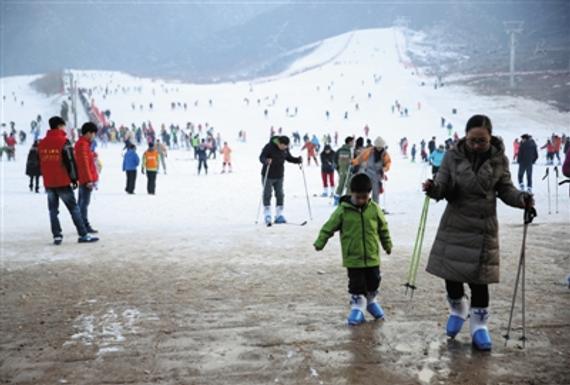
(529, 215)
(556, 187)
(547, 177)
(414, 263)
(262, 193)
(306, 191)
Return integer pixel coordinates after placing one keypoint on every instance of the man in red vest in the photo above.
(59, 171)
(86, 170)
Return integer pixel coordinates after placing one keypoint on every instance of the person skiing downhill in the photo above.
(273, 158)
(311, 152)
(362, 227)
(436, 158)
(466, 248)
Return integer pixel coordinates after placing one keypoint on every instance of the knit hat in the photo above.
(379, 142)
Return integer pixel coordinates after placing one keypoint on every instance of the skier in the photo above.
(466, 248)
(150, 165)
(273, 157)
(317, 144)
(435, 159)
(227, 157)
(557, 145)
(10, 148)
(431, 145)
(33, 167)
(59, 171)
(527, 156)
(549, 152)
(343, 159)
(413, 152)
(327, 170)
(203, 157)
(86, 171)
(375, 162)
(516, 147)
(162, 154)
(131, 163)
(311, 152)
(362, 227)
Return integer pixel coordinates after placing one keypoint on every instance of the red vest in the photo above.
(85, 160)
(51, 161)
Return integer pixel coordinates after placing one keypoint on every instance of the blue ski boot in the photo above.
(336, 200)
(458, 313)
(373, 306)
(356, 315)
(479, 330)
(279, 218)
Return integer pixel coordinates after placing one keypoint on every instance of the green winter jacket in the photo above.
(361, 229)
(343, 158)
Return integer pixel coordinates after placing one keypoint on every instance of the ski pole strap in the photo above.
(529, 215)
(545, 175)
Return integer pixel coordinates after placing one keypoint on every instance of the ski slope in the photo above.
(215, 207)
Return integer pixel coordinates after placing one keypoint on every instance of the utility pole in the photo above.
(513, 28)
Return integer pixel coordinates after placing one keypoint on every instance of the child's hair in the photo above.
(361, 183)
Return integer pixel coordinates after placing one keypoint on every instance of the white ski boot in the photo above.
(458, 313)
(267, 215)
(479, 330)
(373, 306)
(356, 315)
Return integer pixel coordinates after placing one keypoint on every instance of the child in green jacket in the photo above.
(362, 227)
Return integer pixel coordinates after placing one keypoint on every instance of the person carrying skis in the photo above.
(311, 152)
(150, 166)
(59, 171)
(227, 157)
(362, 228)
(374, 162)
(466, 248)
(327, 170)
(86, 171)
(527, 157)
(273, 158)
(131, 163)
(436, 158)
(343, 159)
(33, 167)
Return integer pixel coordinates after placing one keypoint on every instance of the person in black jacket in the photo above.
(528, 154)
(327, 170)
(33, 167)
(273, 157)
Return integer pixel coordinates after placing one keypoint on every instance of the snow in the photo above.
(217, 212)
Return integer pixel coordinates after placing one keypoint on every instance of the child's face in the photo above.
(359, 199)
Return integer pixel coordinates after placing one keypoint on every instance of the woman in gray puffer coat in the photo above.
(466, 249)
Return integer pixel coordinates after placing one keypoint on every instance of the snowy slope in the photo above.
(219, 210)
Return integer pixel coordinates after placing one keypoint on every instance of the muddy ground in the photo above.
(172, 312)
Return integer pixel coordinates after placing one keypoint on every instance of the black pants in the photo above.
(151, 181)
(37, 179)
(525, 169)
(434, 170)
(202, 163)
(363, 280)
(131, 181)
(479, 293)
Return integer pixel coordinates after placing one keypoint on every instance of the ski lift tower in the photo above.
(513, 28)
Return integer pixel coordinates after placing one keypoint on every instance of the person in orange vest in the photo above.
(58, 168)
(374, 162)
(227, 157)
(86, 170)
(150, 165)
(311, 152)
(549, 152)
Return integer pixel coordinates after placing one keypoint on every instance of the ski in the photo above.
(293, 223)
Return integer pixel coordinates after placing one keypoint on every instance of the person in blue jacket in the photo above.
(131, 163)
(436, 158)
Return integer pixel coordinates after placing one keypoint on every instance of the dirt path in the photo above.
(168, 312)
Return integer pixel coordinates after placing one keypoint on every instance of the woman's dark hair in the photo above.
(360, 142)
(360, 183)
(479, 121)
